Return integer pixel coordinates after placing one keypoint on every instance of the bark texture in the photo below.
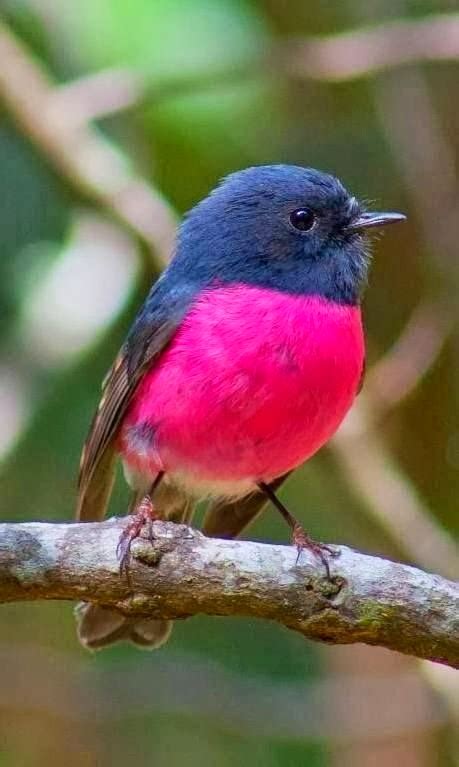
(182, 573)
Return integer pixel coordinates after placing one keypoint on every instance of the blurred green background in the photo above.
(179, 93)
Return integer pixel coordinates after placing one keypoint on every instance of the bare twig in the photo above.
(426, 160)
(389, 495)
(99, 94)
(414, 352)
(341, 57)
(81, 155)
(183, 573)
(364, 52)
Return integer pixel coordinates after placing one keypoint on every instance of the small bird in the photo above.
(242, 362)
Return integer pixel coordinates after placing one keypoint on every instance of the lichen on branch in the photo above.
(182, 573)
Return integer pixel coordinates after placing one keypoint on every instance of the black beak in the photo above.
(370, 220)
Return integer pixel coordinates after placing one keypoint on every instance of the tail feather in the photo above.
(99, 626)
(94, 495)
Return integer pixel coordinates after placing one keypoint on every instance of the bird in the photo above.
(241, 364)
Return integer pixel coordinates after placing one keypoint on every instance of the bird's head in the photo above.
(283, 227)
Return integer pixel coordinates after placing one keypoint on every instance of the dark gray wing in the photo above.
(154, 327)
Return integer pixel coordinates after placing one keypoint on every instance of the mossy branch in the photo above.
(182, 573)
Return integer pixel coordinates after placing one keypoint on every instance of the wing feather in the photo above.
(154, 327)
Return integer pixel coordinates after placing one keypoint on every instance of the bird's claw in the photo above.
(143, 516)
(302, 540)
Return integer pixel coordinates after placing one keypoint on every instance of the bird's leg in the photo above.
(300, 538)
(141, 514)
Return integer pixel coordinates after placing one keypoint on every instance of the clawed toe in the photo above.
(144, 516)
(302, 541)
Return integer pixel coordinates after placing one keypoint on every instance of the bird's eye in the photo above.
(302, 219)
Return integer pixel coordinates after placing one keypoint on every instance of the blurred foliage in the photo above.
(214, 101)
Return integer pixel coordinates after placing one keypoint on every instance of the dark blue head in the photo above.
(284, 227)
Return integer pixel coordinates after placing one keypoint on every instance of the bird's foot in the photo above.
(143, 516)
(302, 540)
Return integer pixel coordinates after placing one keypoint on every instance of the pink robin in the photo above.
(243, 361)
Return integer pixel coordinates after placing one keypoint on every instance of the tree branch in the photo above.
(183, 573)
(362, 52)
(91, 165)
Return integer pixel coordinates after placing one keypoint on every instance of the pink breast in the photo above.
(254, 382)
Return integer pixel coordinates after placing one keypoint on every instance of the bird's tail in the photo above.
(99, 626)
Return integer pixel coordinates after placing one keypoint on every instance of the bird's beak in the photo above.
(373, 220)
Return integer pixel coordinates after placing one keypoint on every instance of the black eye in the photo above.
(302, 219)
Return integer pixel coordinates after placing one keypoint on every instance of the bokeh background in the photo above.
(108, 109)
